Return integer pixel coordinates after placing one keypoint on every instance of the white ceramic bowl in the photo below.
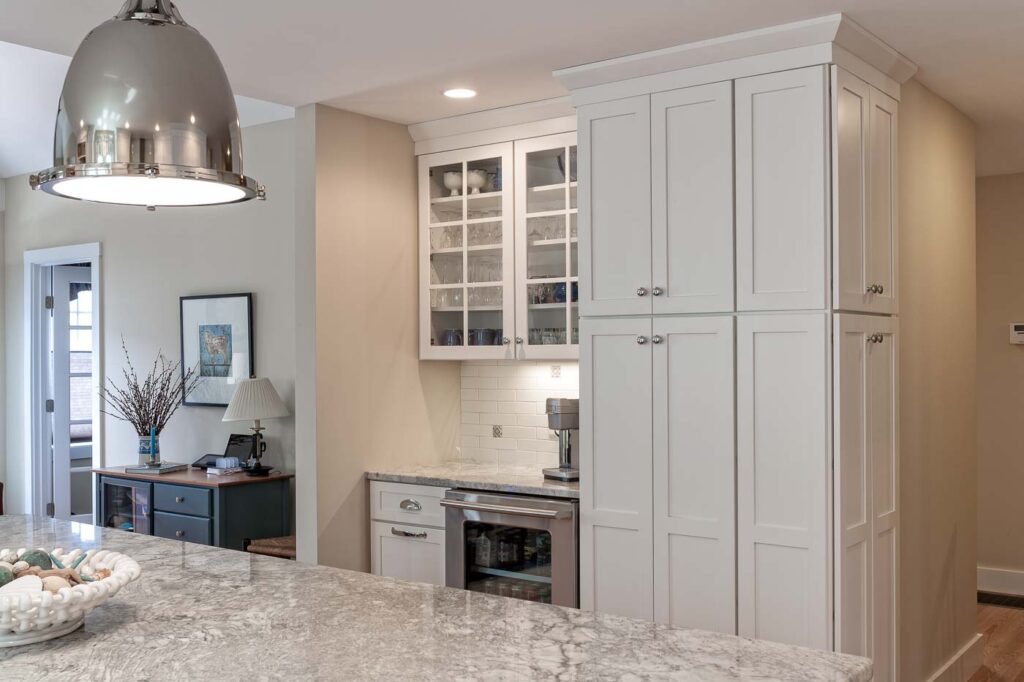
(476, 180)
(453, 181)
(31, 618)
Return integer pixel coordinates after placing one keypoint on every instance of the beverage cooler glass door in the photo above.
(513, 546)
(125, 505)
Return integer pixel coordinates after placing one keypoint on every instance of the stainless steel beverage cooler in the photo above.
(512, 545)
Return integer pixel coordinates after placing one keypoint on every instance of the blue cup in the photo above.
(560, 292)
(451, 337)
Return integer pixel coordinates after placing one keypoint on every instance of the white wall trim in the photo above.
(492, 118)
(963, 664)
(1001, 580)
(34, 262)
(521, 131)
(834, 28)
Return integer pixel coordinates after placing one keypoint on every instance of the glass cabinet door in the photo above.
(466, 242)
(126, 505)
(508, 561)
(547, 277)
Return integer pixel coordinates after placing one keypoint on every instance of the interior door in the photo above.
(694, 473)
(692, 200)
(616, 535)
(782, 205)
(615, 207)
(73, 391)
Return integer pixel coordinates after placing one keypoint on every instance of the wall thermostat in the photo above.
(1017, 333)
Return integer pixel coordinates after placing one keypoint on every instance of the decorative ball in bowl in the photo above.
(453, 181)
(45, 595)
(476, 180)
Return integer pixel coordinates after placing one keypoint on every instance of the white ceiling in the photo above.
(392, 59)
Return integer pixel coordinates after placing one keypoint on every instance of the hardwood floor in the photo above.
(1003, 627)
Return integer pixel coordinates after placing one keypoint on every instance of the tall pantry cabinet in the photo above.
(739, 350)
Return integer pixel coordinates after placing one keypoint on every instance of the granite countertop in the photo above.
(499, 478)
(201, 612)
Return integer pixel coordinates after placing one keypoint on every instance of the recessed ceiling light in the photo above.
(460, 93)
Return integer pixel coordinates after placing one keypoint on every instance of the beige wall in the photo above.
(937, 382)
(149, 260)
(1000, 373)
(377, 405)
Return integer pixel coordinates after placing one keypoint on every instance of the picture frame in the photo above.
(217, 342)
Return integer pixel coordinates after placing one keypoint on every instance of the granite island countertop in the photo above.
(495, 477)
(204, 613)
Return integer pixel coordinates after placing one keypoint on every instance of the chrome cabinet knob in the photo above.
(641, 291)
(876, 338)
(519, 340)
(505, 340)
(179, 500)
(876, 289)
(657, 291)
(179, 533)
(641, 340)
(656, 339)
(410, 505)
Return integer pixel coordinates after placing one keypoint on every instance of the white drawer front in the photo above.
(405, 503)
(407, 552)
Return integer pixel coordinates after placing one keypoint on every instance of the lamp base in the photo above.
(258, 470)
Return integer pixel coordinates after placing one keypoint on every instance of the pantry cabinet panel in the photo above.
(782, 181)
(616, 536)
(783, 478)
(615, 207)
(694, 473)
(692, 199)
(882, 213)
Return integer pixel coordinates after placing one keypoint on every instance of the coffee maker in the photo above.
(564, 419)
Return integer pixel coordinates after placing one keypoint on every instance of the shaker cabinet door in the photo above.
(783, 478)
(615, 207)
(692, 199)
(616, 538)
(882, 213)
(410, 553)
(694, 473)
(782, 177)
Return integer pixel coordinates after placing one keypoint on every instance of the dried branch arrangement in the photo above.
(152, 401)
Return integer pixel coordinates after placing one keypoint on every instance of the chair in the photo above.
(283, 548)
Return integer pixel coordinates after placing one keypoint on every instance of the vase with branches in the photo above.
(148, 403)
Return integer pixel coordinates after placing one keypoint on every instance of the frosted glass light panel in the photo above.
(467, 233)
(547, 277)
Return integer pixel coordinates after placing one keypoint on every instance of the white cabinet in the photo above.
(615, 207)
(498, 251)
(782, 176)
(863, 186)
(867, 489)
(783, 462)
(694, 473)
(616, 440)
(407, 537)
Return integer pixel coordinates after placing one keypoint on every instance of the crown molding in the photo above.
(835, 30)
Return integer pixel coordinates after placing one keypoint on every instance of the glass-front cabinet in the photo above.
(498, 273)
(126, 505)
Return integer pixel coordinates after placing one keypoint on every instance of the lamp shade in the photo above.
(255, 399)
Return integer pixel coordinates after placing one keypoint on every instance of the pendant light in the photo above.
(147, 117)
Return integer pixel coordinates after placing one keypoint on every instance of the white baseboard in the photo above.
(1001, 580)
(963, 664)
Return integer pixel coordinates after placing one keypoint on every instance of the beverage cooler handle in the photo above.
(502, 509)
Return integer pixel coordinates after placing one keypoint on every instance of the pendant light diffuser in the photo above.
(147, 117)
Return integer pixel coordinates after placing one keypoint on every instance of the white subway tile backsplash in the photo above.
(512, 395)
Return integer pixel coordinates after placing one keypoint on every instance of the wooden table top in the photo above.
(197, 477)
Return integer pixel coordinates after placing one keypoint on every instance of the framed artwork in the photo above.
(217, 342)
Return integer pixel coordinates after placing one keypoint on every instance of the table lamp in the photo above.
(255, 399)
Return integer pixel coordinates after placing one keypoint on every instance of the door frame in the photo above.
(36, 261)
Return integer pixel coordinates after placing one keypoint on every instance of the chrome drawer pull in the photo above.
(407, 534)
(179, 500)
(179, 533)
(503, 509)
(410, 505)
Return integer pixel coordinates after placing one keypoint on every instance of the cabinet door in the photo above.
(851, 113)
(783, 478)
(467, 297)
(616, 537)
(407, 552)
(694, 473)
(781, 190)
(615, 207)
(882, 209)
(692, 199)
(867, 489)
(547, 276)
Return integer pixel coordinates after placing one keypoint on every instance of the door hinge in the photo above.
(48, 302)
(49, 405)
(50, 511)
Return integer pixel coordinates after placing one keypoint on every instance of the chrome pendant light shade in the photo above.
(147, 117)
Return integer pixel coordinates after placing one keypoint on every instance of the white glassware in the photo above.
(453, 181)
(475, 180)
